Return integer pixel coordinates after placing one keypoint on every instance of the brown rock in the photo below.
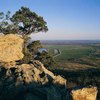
(32, 81)
(59, 80)
(8, 65)
(38, 74)
(30, 74)
(10, 48)
(42, 68)
(85, 94)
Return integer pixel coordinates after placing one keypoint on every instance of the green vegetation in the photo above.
(76, 55)
(42, 56)
(34, 46)
(79, 64)
(46, 59)
(68, 52)
(24, 22)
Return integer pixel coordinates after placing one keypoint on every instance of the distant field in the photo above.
(68, 52)
(79, 64)
(74, 55)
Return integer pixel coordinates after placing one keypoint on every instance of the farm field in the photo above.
(79, 64)
(76, 56)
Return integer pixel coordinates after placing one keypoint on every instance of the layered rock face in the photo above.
(32, 81)
(10, 48)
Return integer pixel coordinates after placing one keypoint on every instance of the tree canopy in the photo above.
(34, 46)
(23, 22)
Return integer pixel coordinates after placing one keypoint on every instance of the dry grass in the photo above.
(73, 66)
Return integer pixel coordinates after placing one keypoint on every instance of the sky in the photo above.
(66, 19)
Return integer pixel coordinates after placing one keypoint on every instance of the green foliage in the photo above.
(46, 59)
(32, 49)
(34, 46)
(23, 22)
(6, 26)
(27, 58)
(1, 15)
(28, 22)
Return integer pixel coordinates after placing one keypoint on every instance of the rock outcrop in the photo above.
(32, 81)
(85, 94)
(10, 48)
(8, 65)
(35, 73)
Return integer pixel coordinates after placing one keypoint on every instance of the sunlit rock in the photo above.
(85, 94)
(8, 65)
(59, 80)
(10, 48)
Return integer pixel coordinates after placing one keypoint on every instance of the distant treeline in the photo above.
(69, 42)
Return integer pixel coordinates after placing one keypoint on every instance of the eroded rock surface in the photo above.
(37, 73)
(33, 80)
(85, 94)
(10, 48)
(8, 65)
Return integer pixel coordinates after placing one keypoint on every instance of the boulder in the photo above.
(10, 48)
(85, 94)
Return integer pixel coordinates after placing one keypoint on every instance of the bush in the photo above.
(27, 58)
(46, 59)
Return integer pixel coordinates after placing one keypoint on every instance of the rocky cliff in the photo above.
(32, 81)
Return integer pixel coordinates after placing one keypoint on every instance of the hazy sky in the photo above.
(66, 19)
